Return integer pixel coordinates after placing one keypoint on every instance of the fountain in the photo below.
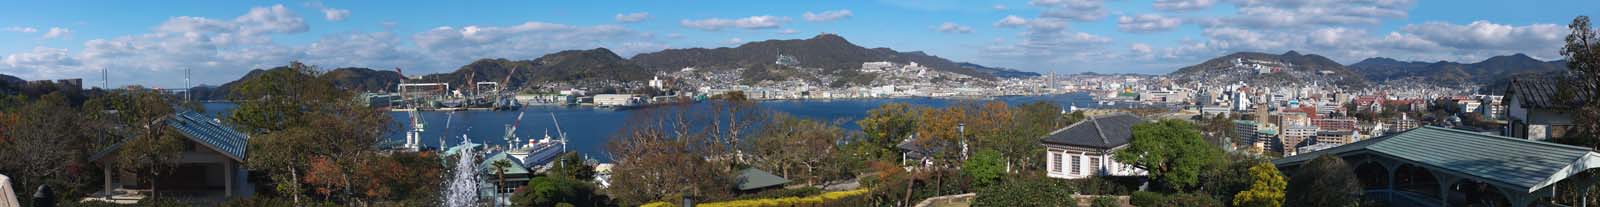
(463, 189)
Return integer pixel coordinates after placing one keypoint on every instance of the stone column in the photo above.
(227, 183)
(106, 167)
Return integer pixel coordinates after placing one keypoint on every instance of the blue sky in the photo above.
(152, 43)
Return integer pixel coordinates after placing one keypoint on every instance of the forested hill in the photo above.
(829, 52)
(1487, 71)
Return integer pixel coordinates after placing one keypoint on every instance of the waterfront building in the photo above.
(1084, 149)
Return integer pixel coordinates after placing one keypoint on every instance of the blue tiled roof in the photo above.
(1510, 162)
(1105, 132)
(753, 179)
(210, 132)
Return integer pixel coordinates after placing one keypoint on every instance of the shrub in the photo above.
(1024, 192)
(1104, 185)
(825, 199)
(1147, 199)
(1106, 201)
(1191, 200)
(779, 193)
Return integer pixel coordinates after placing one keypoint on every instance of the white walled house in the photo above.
(1084, 149)
(1535, 111)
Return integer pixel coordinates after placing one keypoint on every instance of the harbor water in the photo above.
(588, 129)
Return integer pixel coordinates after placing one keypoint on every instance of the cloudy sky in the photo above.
(153, 43)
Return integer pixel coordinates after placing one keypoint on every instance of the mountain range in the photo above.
(831, 53)
(1452, 73)
(1293, 68)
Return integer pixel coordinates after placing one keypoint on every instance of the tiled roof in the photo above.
(1105, 132)
(755, 179)
(211, 133)
(516, 168)
(1505, 161)
(1542, 93)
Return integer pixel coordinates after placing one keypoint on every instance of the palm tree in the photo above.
(500, 171)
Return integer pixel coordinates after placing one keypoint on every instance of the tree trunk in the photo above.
(294, 180)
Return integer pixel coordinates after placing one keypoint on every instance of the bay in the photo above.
(588, 129)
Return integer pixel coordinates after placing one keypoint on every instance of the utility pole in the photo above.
(188, 95)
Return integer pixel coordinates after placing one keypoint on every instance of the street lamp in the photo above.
(961, 128)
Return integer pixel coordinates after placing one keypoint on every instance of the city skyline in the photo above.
(153, 44)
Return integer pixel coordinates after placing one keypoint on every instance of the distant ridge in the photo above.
(9, 84)
(1300, 69)
(1488, 71)
(830, 52)
(593, 65)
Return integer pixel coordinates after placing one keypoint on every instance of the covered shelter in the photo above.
(1435, 166)
(211, 166)
(516, 175)
(752, 179)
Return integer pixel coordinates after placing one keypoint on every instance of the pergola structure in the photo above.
(1433, 166)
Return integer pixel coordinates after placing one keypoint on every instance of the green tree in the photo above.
(1266, 191)
(984, 168)
(43, 143)
(1171, 150)
(885, 127)
(1325, 181)
(550, 191)
(572, 165)
(295, 117)
(796, 148)
(500, 167)
(1582, 52)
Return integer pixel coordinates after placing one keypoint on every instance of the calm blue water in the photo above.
(588, 129)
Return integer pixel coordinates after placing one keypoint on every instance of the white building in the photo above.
(1084, 149)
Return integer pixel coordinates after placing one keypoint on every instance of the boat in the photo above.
(539, 152)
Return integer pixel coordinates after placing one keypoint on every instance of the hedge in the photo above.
(817, 200)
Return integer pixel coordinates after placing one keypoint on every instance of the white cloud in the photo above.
(1183, 5)
(1311, 13)
(788, 31)
(1490, 36)
(332, 14)
(633, 17)
(733, 41)
(275, 19)
(57, 32)
(40, 57)
(827, 16)
(1141, 48)
(22, 29)
(527, 40)
(1010, 21)
(753, 22)
(952, 27)
(1076, 10)
(222, 50)
(1147, 23)
(999, 7)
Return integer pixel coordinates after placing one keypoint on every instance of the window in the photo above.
(1077, 164)
(1055, 162)
(1094, 164)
